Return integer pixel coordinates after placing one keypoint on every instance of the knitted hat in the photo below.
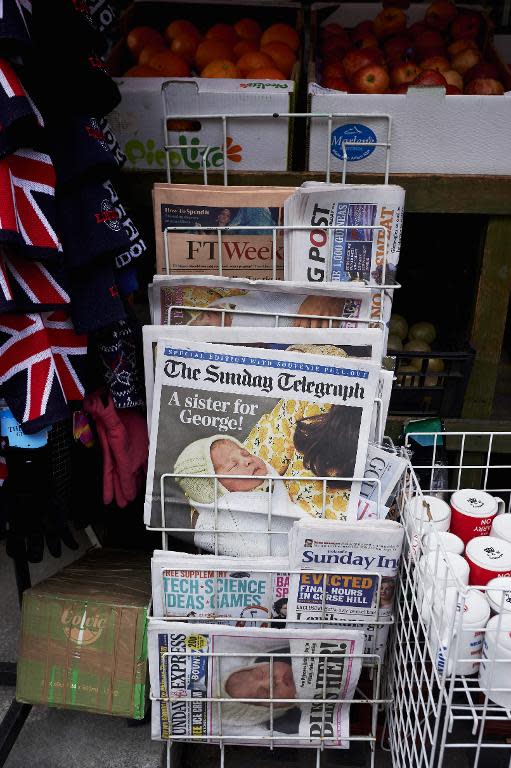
(195, 460)
(95, 300)
(241, 712)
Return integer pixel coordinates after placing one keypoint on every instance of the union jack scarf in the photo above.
(21, 120)
(27, 203)
(29, 286)
(14, 18)
(42, 362)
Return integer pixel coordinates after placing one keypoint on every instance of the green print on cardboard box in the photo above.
(190, 154)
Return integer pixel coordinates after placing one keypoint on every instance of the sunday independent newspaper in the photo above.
(361, 563)
(247, 685)
(275, 421)
(200, 210)
(354, 253)
(248, 591)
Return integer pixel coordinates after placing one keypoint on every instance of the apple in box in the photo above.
(371, 79)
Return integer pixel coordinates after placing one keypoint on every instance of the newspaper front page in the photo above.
(214, 681)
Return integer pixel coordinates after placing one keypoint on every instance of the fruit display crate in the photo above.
(431, 383)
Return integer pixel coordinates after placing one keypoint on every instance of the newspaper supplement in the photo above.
(245, 252)
(342, 342)
(384, 469)
(275, 420)
(253, 591)
(193, 667)
(360, 561)
(258, 302)
(344, 255)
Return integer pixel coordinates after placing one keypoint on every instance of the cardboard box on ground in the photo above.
(253, 144)
(430, 132)
(83, 640)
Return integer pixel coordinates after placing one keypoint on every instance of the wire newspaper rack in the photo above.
(451, 680)
(223, 120)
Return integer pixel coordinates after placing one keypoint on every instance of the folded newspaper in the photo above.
(248, 591)
(363, 560)
(239, 438)
(248, 248)
(250, 685)
(365, 248)
(199, 300)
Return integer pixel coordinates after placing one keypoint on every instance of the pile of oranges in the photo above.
(241, 50)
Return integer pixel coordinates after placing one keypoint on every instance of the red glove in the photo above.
(124, 443)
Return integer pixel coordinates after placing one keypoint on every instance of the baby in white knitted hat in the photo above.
(242, 503)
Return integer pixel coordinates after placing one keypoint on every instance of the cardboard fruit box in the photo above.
(429, 132)
(252, 144)
(83, 639)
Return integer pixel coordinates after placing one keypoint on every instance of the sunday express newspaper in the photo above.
(247, 247)
(360, 561)
(273, 420)
(250, 591)
(372, 220)
(192, 666)
(198, 301)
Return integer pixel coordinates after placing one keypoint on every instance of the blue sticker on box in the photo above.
(352, 132)
(11, 429)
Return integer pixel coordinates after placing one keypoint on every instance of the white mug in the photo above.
(433, 540)
(498, 594)
(440, 579)
(421, 512)
(476, 613)
(501, 527)
(495, 667)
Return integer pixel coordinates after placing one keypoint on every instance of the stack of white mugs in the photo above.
(465, 565)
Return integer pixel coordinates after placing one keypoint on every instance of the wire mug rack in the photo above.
(451, 683)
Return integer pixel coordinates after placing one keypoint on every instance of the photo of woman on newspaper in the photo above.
(250, 679)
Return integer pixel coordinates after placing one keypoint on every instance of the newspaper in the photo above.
(387, 467)
(245, 251)
(253, 591)
(214, 682)
(345, 342)
(363, 559)
(257, 302)
(275, 420)
(344, 255)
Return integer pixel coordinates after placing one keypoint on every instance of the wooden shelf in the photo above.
(490, 195)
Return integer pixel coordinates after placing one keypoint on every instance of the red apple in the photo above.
(440, 63)
(390, 21)
(429, 78)
(485, 86)
(363, 40)
(371, 79)
(440, 14)
(453, 78)
(403, 88)
(461, 45)
(364, 27)
(466, 26)
(399, 47)
(357, 59)
(333, 69)
(335, 47)
(465, 60)
(428, 40)
(453, 90)
(483, 70)
(404, 74)
(417, 29)
(332, 29)
(336, 84)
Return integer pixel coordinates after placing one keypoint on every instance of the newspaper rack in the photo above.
(436, 710)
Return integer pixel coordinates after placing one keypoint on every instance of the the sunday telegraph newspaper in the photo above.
(250, 591)
(269, 423)
(344, 255)
(192, 667)
(245, 252)
(198, 300)
(363, 560)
